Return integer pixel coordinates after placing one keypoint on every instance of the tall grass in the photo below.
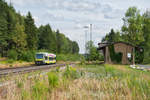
(71, 73)
(120, 83)
(39, 90)
(53, 79)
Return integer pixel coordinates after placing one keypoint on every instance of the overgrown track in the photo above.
(9, 71)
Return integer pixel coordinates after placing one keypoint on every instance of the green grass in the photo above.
(53, 79)
(68, 57)
(87, 82)
(137, 82)
(60, 57)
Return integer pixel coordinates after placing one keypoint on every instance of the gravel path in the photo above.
(144, 66)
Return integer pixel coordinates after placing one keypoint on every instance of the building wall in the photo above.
(124, 49)
(107, 56)
(119, 47)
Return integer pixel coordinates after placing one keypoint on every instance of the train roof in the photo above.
(47, 54)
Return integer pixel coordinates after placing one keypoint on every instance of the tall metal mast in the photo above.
(91, 32)
(86, 31)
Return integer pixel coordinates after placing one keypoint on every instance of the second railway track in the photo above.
(9, 71)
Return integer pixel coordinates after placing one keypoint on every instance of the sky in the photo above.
(70, 16)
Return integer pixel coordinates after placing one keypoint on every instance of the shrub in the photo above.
(71, 73)
(12, 54)
(39, 89)
(25, 95)
(10, 61)
(53, 79)
(115, 57)
(83, 61)
(109, 70)
(27, 56)
(57, 69)
(19, 84)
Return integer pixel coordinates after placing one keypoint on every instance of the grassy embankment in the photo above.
(85, 82)
(61, 58)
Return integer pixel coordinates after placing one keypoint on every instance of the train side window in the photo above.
(46, 58)
(50, 58)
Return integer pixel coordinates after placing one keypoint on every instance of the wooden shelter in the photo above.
(124, 48)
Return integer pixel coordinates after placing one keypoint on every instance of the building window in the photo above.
(129, 55)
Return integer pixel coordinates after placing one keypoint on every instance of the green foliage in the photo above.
(20, 33)
(71, 73)
(27, 56)
(92, 53)
(82, 61)
(47, 39)
(58, 41)
(53, 79)
(19, 84)
(25, 95)
(115, 57)
(31, 31)
(68, 57)
(19, 38)
(133, 25)
(139, 56)
(57, 69)
(10, 61)
(75, 47)
(141, 85)
(12, 54)
(146, 30)
(112, 36)
(39, 89)
(109, 70)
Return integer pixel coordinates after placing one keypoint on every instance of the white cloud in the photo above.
(69, 16)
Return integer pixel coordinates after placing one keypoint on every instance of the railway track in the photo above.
(8, 71)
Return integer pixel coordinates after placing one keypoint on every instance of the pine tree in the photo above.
(46, 38)
(19, 38)
(75, 47)
(31, 31)
(3, 28)
(58, 40)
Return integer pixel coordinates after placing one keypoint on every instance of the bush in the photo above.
(53, 79)
(115, 57)
(27, 56)
(82, 60)
(39, 89)
(109, 70)
(12, 54)
(10, 61)
(71, 73)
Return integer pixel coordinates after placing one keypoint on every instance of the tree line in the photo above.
(135, 30)
(21, 37)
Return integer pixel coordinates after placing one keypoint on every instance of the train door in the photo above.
(46, 60)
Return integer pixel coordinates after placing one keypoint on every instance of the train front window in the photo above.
(39, 56)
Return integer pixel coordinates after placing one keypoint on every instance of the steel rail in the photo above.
(8, 71)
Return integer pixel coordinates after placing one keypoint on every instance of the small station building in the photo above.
(117, 52)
